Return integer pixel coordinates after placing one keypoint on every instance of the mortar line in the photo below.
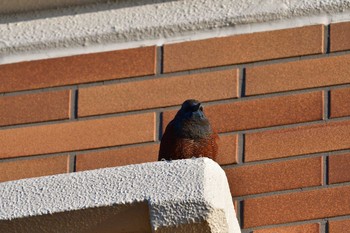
(32, 157)
(246, 231)
(25, 125)
(283, 159)
(246, 98)
(338, 218)
(325, 105)
(240, 151)
(163, 108)
(74, 103)
(241, 213)
(72, 162)
(325, 170)
(159, 60)
(39, 90)
(326, 227)
(292, 191)
(153, 143)
(329, 104)
(77, 152)
(270, 161)
(287, 126)
(179, 73)
(287, 224)
(326, 41)
(28, 157)
(301, 222)
(207, 103)
(158, 126)
(252, 130)
(328, 38)
(242, 82)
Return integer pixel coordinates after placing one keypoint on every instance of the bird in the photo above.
(189, 135)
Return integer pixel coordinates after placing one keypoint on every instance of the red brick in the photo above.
(117, 157)
(340, 34)
(45, 106)
(298, 75)
(340, 104)
(306, 228)
(297, 141)
(78, 135)
(33, 168)
(299, 206)
(261, 113)
(228, 149)
(151, 93)
(243, 48)
(77, 69)
(340, 226)
(269, 177)
(339, 168)
(147, 153)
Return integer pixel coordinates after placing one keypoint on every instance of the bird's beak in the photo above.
(196, 107)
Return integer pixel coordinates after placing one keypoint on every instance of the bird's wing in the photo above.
(167, 144)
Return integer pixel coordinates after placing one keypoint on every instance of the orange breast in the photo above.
(181, 148)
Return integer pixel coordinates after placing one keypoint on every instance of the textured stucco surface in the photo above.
(124, 23)
(185, 192)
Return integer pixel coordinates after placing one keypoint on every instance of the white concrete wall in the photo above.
(123, 24)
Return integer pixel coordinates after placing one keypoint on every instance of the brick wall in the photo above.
(279, 100)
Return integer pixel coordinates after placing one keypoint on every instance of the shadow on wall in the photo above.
(108, 219)
(116, 219)
(24, 10)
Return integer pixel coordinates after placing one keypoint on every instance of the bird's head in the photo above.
(191, 109)
(190, 121)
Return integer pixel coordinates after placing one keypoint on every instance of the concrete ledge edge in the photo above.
(180, 196)
(125, 24)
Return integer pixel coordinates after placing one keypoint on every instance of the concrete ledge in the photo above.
(179, 196)
(124, 24)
